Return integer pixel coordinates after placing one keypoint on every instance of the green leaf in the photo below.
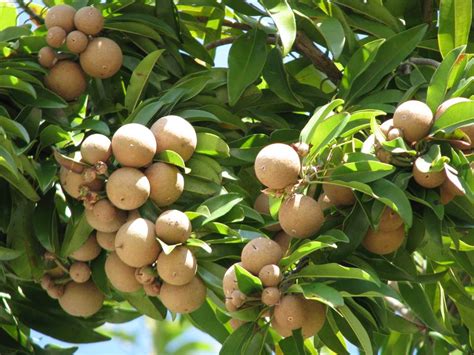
(149, 306)
(219, 206)
(319, 292)
(212, 145)
(76, 236)
(457, 115)
(333, 33)
(205, 319)
(455, 18)
(332, 337)
(284, 19)
(8, 15)
(14, 129)
(358, 328)
(173, 158)
(293, 345)
(327, 130)
(363, 171)
(20, 183)
(8, 162)
(45, 222)
(304, 249)
(319, 115)
(247, 57)
(233, 344)
(386, 190)
(94, 125)
(335, 271)
(134, 28)
(53, 134)
(248, 283)
(11, 82)
(7, 254)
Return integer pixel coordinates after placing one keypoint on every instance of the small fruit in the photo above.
(290, 312)
(277, 166)
(183, 299)
(128, 188)
(300, 216)
(136, 243)
(95, 148)
(447, 104)
(394, 133)
(339, 195)
(390, 220)
(80, 272)
(270, 275)
(152, 289)
(145, 275)
(230, 306)
(71, 88)
(284, 241)
(427, 179)
(260, 252)
(120, 275)
(56, 37)
(105, 217)
(176, 134)
(301, 148)
(271, 296)
(262, 205)
(88, 251)
(46, 282)
(133, 145)
(89, 20)
(386, 126)
(414, 118)
(81, 299)
(315, 316)
(173, 227)
(102, 58)
(47, 57)
(55, 291)
(229, 282)
(178, 267)
(62, 16)
(324, 201)
(106, 240)
(76, 42)
(380, 242)
(72, 183)
(166, 183)
(238, 298)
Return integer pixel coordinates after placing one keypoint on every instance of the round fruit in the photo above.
(145, 275)
(178, 267)
(173, 227)
(447, 104)
(136, 243)
(102, 58)
(260, 252)
(128, 188)
(120, 275)
(277, 166)
(414, 118)
(176, 134)
(271, 296)
(89, 20)
(55, 291)
(46, 282)
(284, 241)
(324, 201)
(290, 312)
(88, 251)
(166, 183)
(339, 195)
(105, 217)
(380, 242)
(81, 299)
(183, 299)
(230, 306)
(95, 148)
(62, 16)
(76, 42)
(282, 331)
(390, 220)
(153, 289)
(300, 216)
(56, 37)
(386, 126)
(430, 179)
(69, 89)
(106, 240)
(238, 298)
(262, 205)
(315, 316)
(134, 145)
(47, 57)
(80, 272)
(229, 282)
(394, 133)
(270, 275)
(72, 183)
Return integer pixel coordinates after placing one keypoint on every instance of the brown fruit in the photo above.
(56, 37)
(380, 242)
(324, 201)
(89, 20)
(281, 330)
(339, 195)
(260, 252)
(315, 316)
(173, 227)
(81, 300)
(469, 131)
(72, 183)
(120, 275)
(136, 243)
(238, 298)
(183, 299)
(270, 275)
(102, 58)
(105, 217)
(152, 289)
(88, 251)
(66, 79)
(445, 195)
(262, 205)
(284, 241)
(386, 126)
(62, 16)
(229, 282)
(178, 267)
(134, 145)
(80, 272)
(390, 220)
(447, 104)
(230, 306)
(290, 312)
(95, 148)
(176, 134)
(430, 179)
(394, 133)
(277, 166)
(166, 183)
(47, 57)
(46, 282)
(271, 296)
(414, 118)
(300, 216)
(76, 42)
(55, 291)
(106, 240)
(128, 188)
(145, 275)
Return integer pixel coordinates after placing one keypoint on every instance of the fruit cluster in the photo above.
(74, 32)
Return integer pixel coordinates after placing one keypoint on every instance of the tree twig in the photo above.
(229, 40)
(424, 61)
(37, 20)
(428, 12)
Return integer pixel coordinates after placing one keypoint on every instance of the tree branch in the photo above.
(428, 12)
(229, 40)
(424, 61)
(36, 19)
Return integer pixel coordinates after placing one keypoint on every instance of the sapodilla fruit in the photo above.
(183, 299)
(128, 188)
(145, 275)
(230, 306)
(88, 251)
(76, 42)
(106, 240)
(176, 134)
(69, 89)
(262, 205)
(72, 183)
(290, 312)
(173, 227)
(390, 220)
(120, 275)
(178, 267)
(55, 291)
(394, 133)
(136, 244)
(271, 296)
(284, 241)
(152, 289)
(105, 217)
(315, 316)
(430, 179)
(380, 242)
(277, 166)
(62, 16)
(447, 104)
(260, 252)
(166, 183)
(81, 299)
(270, 275)
(386, 126)
(300, 216)
(102, 58)
(89, 20)
(47, 57)
(339, 195)
(414, 118)
(324, 201)
(55, 37)
(238, 298)
(80, 272)
(95, 148)
(229, 281)
(134, 145)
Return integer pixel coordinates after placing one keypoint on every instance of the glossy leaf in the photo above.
(284, 19)
(455, 18)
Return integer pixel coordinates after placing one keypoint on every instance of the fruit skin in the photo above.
(178, 267)
(238, 298)
(135, 243)
(62, 16)
(277, 166)
(183, 299)
(386, 126)
(173, 227)
(106, 240)
(166, 183)
(81, 299)
(144, 275)
(133, 145)
(315, 316)
(289, 313)
(89, 20)
(76, 42)
(105, 217)
(69, 89)
(88, 251)
(262, 205)
(339, 195)
(46, 282)
(152, 289)
(300, 216)
(128, 188)
(414, 118)
(56, 37)
(260, 252)
(72, 182)
(230, 306)
(55, 291)
(430, 179)
(176, 134)
(271, 296)
(79, 272)
(270, 275)
(229, 281)
(120, 275)
(394, 133)
(284, 241)
(47, 57)
(382, 243)
(95, 148)
(102, 58)
(447, 104)
(390, 220)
